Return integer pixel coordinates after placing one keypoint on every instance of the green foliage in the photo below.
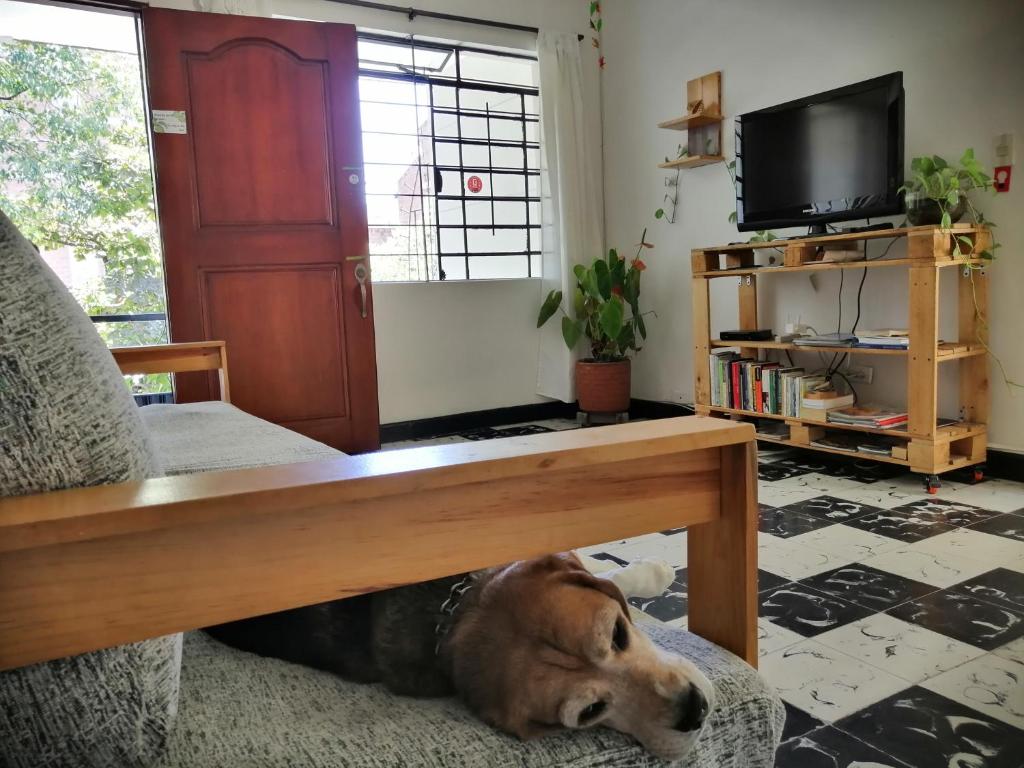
(730, 168)
(75, 171)
(604, 291)
(932, 177)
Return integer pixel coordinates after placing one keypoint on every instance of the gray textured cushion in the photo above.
(67, 420)
(197, 437)
(238, 709)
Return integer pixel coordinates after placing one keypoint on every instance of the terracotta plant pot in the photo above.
(602, 387)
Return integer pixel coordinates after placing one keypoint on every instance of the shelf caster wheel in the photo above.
(978, 475)
(583, 418)
(932, 484)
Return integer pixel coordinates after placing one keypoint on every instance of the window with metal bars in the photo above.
(451, 146)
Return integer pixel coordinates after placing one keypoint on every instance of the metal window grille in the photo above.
(453, 192)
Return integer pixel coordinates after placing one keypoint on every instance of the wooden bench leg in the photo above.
(722, 560)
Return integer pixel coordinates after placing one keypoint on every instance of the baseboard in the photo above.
(655, 409)
(1006, 465)
(436, 426)
(421, 429)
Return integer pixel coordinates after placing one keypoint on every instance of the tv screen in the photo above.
(835, 156)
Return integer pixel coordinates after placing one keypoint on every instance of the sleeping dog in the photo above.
(530, 647)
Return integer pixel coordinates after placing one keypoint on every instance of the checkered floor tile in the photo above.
(891, 621)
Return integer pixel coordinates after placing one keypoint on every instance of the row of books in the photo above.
(761, 387)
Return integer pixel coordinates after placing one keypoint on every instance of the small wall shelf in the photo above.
(691, 121)
(692, 162)
(702, 122)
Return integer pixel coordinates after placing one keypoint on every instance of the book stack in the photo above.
(816, 405)
(826, 340)
(872, 416)
(885, 339)
(751, 385)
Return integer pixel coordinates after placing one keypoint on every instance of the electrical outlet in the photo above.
(860, 374)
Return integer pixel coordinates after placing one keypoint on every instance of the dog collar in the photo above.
(448, 608)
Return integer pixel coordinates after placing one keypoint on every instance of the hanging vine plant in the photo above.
(596, 25)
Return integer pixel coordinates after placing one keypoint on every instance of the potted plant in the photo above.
(937, 190)
(605, 309)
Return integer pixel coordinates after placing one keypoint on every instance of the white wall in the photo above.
(454, 347)
(964, 80)
(451, 347)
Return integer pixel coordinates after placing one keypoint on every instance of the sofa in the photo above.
(184, 700)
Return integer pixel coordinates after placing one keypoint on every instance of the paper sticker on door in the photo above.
(474, 184)
(169, 121)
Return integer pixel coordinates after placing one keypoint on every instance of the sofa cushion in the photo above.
(241, 709)
(199, 437)
(68, 420)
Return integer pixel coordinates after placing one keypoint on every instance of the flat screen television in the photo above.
(834, 156)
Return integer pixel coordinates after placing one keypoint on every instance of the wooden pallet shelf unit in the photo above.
(930, 449)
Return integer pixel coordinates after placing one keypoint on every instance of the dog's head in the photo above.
(547, 645)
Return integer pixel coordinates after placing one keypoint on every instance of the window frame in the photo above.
(532, 228)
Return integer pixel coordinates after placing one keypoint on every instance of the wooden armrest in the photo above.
(95, 567)
(177, 358)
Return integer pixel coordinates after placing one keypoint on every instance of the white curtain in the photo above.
(570, 205)
(235, 7)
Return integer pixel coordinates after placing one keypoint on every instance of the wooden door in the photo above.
(262, 215)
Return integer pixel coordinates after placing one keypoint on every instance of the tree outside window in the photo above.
(75, 176)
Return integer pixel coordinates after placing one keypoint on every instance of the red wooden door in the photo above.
(262, 215)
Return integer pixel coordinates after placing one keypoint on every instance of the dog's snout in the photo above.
(693, 709)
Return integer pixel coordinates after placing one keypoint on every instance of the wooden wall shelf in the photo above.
(930, 449)
(692, 161)
(691, 121)
(702, 122)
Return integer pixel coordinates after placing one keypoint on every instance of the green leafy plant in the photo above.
(596, 25)
(933, 178)
(947, 184)
(604, 292)
(762, 235)
(681, 152)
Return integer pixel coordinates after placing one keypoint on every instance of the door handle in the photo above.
(362, 273)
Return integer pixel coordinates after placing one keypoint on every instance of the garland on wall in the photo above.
(596, 25)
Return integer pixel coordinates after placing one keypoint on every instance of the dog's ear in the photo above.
(573, 572)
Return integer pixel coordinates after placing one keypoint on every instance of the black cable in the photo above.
(835, 369)
(852, 390)
(839, 322)
(863, 277)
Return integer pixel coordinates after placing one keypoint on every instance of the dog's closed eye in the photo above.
(620, 636)
(590, 713)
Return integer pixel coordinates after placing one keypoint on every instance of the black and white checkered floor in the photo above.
(891, 621)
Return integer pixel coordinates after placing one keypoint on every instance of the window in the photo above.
(75, 173)
(451, 145)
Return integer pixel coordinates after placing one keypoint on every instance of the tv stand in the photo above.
(817, 230)
(923, 446)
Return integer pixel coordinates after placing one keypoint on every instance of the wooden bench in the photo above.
(90, 568)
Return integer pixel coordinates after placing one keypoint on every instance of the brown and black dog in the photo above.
(532, 646)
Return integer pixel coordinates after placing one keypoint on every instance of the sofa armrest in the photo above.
(177, 358)
(91, 568)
